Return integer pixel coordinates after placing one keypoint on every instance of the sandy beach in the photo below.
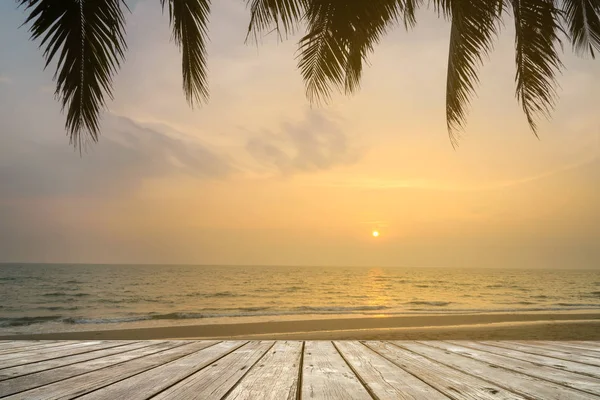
(496, 326)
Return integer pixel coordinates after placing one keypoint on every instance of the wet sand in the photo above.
(497, 326)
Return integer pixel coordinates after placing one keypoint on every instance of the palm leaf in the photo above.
(583, 20)
(474, 26)
(340, 36)
(189, 20)
(536, 29)
(322, 55)
(409, 8)
(87, 36)
(275, 14)
(370, 25)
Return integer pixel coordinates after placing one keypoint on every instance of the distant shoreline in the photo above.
(493, 326)
(491, 268)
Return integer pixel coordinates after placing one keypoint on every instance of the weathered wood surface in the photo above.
(550, 351)
(28, 369)
(37, 354)
(584, 345)
(22, 346)
(482, 348)
(217, 379)
(383, 378)
(504, 374)
(292, 370)
(85, 383)
(325, 375)
(33, 380)
(557, 375)
(149, 383)
(575, 347)
(455, 383)
(275, 377)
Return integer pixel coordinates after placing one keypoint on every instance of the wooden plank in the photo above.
(275, 377)
(149, 383)
(38, 347)
(455, 384)
(588, 370)
(30, 381)
(565, 346)
(37, 355)
(25, 346)
(214, 381)
(557, 354)
(509, 378)
(124, 367)
(13, 372)
(384, 379)
(593, 347)
(7, 344)
(566, 378)
(325, 374)
(45, 346)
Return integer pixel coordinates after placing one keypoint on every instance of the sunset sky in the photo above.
(258, 176)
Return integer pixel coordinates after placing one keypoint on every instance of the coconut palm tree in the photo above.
(86, 40)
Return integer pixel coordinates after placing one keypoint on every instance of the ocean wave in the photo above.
(329, 309)
(224, 294)
(115, 320)
(292, 289)
(506, 286)
(176, 316)
(429, 303)
(254, 309)
(271, 312)
(216, 294)
(25, 321)
(111, 301)
(55, 294)
(522, 303)
(58, 308)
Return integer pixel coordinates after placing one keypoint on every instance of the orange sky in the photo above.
(258, 176)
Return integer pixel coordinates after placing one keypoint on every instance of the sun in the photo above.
(375, 233)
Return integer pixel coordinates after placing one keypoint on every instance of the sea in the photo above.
(37, 298)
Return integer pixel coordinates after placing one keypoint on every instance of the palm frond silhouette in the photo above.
(86, 38)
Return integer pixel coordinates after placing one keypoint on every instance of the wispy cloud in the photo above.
(128, 154)
(313, 144)
(366, 182)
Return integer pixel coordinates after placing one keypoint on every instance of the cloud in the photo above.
(127, 154)
(316, 143)
(449, 186)
(5, 79)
